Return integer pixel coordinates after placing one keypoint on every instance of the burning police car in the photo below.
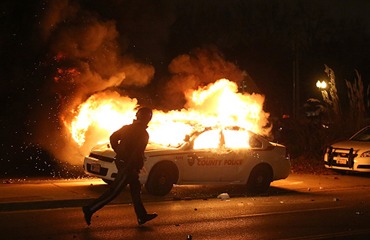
(350, 155)
(211, 156)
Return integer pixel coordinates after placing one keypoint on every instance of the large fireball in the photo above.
(216, 105)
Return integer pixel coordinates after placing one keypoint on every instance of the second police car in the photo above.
(255, 167)
(351, 155)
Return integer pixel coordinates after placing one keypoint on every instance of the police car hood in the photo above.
(106, 150)
(356, 145)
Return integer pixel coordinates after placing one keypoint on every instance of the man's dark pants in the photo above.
(124, 176)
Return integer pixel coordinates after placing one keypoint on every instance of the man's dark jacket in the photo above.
(129, 142)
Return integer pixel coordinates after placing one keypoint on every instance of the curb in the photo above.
(37, 205)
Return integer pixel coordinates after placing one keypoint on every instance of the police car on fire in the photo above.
(255, 167)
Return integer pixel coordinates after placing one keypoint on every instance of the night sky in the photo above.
(57, 53)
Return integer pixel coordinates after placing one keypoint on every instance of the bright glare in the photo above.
(236, 139)
(217, 105)
(209, 139)
(321, 84)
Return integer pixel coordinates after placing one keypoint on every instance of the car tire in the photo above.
(260, 178)
(161, 178)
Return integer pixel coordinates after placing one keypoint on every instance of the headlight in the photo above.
(365, 154)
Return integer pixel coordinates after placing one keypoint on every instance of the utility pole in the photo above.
(295, 78)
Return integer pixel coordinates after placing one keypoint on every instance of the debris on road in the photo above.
(223, 196)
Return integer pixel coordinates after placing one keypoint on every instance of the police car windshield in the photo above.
(363, 136)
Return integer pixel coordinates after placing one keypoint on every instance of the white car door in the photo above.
(239, 156)
(231, 165)
(204, 162)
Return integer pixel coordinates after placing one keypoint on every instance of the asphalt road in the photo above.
(300, 207)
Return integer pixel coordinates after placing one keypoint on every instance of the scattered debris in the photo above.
(223, 196)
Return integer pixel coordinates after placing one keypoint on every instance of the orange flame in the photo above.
(217, 105)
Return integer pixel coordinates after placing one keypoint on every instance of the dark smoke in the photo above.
(87, 54)
(199, 68)
(86, 57)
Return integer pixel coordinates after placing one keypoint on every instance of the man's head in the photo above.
(144, 115)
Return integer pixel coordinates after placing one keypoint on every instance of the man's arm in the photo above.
(115, 138)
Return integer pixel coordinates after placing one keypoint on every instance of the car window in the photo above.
(236, 139)
(241, 139)
(363, 136)
(254, 142)
(208, 139)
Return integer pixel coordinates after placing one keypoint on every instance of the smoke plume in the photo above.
(88, 53)
(85, 57)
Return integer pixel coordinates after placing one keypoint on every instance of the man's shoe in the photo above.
(87, 214)
(146, 218)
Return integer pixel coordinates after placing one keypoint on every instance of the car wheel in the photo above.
(161, 178)
(260, 178)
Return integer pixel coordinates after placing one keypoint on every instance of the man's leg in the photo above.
(114, 190)
(135, 190)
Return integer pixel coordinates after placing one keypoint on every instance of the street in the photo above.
(300, 207)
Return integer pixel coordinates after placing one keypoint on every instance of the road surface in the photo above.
(300, 207)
